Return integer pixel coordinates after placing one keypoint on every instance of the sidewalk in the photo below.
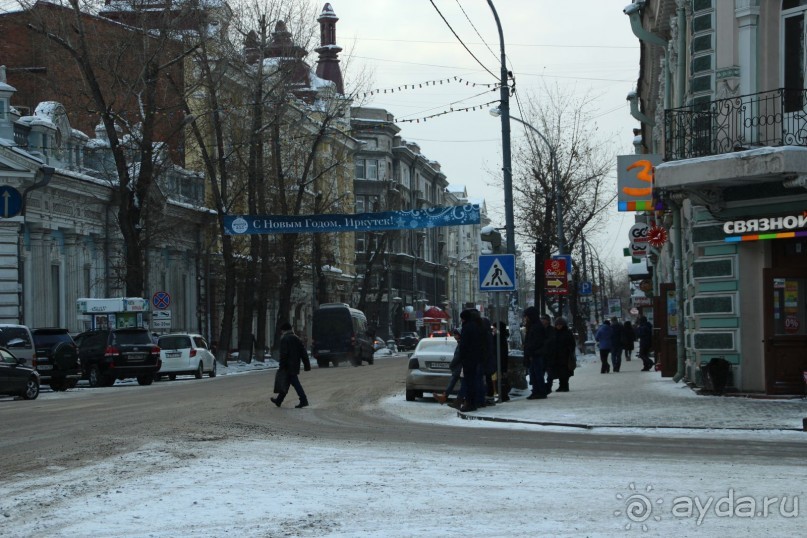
(636, 399)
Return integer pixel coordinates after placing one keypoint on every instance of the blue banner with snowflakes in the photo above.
(360, 222)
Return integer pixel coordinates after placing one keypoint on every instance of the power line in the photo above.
(477, 31)
(460, 40)
(626, 47)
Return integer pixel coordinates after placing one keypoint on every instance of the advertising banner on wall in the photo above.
(634, 179)
(432, 217)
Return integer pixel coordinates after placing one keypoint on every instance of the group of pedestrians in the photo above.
(549, 353)
(615, 339)
(476, 360)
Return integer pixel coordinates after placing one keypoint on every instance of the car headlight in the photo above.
(414, 364)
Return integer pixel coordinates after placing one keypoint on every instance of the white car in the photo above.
(185, 353)
(429, 367)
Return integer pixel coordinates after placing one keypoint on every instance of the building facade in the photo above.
(722, 99)
(62, 242)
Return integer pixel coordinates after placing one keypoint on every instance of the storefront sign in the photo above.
(556, 277)
(766, 228)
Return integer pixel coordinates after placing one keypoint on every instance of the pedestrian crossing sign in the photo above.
(497, 272)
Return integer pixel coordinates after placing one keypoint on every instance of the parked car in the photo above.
(429, 367)
(184, 353)
(56, 358)
(339, 333)
(408, 341)
(16, 379)
(18, 340)
(110, 354)
(438, 334)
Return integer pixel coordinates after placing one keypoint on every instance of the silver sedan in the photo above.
(429, 366)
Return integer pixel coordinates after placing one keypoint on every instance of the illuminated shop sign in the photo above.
(766, 228)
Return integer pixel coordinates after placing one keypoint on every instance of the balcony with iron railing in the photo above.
(771, 118)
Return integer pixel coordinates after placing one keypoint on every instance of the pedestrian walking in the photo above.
(561, 355)
(628, 338)
(533, 353)
(644, 333)
(603, 338)
(292, 351)
(616, 344)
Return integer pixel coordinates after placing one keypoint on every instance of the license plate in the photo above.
(439, 365)
(173, 354)
(136, 356)
(44, 367)
(324, 350)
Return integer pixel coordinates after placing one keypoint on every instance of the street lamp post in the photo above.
(504, 105)
(553, 164)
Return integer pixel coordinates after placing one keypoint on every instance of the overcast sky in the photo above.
(584, 46)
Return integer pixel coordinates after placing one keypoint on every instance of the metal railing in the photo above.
(772, 118)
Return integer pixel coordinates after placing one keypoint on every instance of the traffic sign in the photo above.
(10, 202)
(497, 272)
(161, 300)
(585, 288)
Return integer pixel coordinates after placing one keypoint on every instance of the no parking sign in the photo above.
(161, 300)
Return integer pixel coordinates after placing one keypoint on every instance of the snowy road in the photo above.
(252, 470)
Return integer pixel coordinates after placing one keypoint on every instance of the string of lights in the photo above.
(449, 111)
(438, 82)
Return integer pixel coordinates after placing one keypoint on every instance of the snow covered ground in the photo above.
(286, 487)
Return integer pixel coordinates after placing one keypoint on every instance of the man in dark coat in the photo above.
(616, 344)
(473, 355)
(644, 333)
(292, 351)
(533, 353)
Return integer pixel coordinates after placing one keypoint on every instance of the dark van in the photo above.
(340, 334)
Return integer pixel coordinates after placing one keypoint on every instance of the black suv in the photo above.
(110, 354)
(56, 358)
(408, 340)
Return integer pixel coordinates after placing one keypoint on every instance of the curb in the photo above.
(466, 416)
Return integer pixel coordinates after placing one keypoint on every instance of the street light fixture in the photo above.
(553, 164)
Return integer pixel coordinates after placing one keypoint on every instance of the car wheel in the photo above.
(370, 360)
(71, 384)
(411, 395)
(58, 385)
(172, 377)
(215, 367)
(199, 373)
(146, 379)
(94, 377)
(323, 363)
(31, 389)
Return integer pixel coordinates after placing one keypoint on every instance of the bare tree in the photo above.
(124, 71)
(569, 168)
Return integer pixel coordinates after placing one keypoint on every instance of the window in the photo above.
(367, 168)
(793, 68)
(359, 204)
(359, 242)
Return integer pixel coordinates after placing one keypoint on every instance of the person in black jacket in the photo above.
(473, 354)
(560, 355)
(292, 351)
(533, 353)
(644, 333)
(628, 337)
